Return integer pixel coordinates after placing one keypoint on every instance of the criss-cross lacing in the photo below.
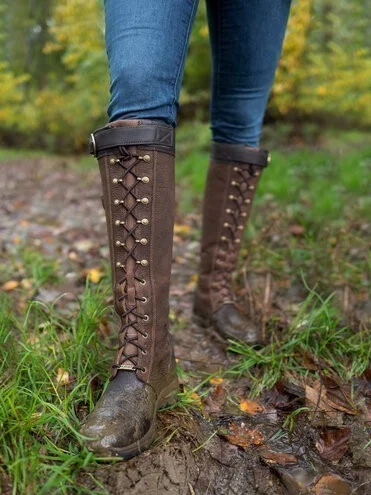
(241, 191)
(130, 316)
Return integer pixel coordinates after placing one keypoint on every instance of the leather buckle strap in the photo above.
(112, 137)
(239, 153)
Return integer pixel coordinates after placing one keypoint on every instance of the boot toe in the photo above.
(231, 324)
(123, 421)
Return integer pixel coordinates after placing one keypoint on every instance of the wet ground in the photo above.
(225, 443)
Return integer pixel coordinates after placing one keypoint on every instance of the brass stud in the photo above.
(145, 179)
(146, 158)
(144, 221)
(143, 241)
(144, 201)
(112, 161)
(143, 262)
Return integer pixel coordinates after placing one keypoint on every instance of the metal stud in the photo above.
(225, 224)
(143, 262)
(146, 158)
(144, 221)
(142, 282)
(251, 187)
(257, 174)
(243, 214)
(144, 300)
(144, 352)
(143, 241)
(119, 265)
(231, 196)
(145, 179)
(234, 183)
(247, 201)
(145, 335)
(240, 227)
(146, 318)
(118, 243)
(114, 180)
(144, 201)
(228, 210)
(223, 238)
(236, 169)
(112, 161)
(269, 157)
(118, 222)
(237, 241)
(116, 202)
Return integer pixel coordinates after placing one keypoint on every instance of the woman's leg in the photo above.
(146, 45)
(246, 38)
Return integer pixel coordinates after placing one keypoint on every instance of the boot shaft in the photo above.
(136, 161)
(231, 184)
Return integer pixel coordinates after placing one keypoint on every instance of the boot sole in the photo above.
(166, 397)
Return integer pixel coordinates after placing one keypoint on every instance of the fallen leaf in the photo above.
(17, 240)
(239, 434)
(296, 230)
(216, 380)
(250, 407)
(63, 377)
(333, 443)
(10, 285)
(94, 275)
(318, 396)
(330, 484)
(214, 403)
(278, 458)
(181, 229)
(191, 285)
(26, 283)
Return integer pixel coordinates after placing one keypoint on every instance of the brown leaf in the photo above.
(213, 404)
(330, 484)
(278, 458)
(239, 434)
(10, 285)
(63, 377)
(318, 396)
(333, 443)
(296, 229)
(250, 407)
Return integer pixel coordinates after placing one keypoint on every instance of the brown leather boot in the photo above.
(233, 176)
(136, 161)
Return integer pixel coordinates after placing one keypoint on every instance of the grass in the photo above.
(52, 362)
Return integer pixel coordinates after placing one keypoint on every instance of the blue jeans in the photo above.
(147, 42)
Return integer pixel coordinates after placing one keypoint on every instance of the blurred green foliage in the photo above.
(54, 76)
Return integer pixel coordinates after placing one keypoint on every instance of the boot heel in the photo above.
(169, 396)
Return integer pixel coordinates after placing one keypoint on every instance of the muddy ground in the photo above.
(215, 448)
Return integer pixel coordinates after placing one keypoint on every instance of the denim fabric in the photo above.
(147, 42)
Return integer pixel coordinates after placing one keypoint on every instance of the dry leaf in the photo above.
(216, 380)
(280, 458)
(63, 377)
(239, 434)
(181, 229)
(94, 275)
(333, 443)
(296, 230)
(17, 240)
(330, 484)
(250, 407)
(10, 285)
(317, 396)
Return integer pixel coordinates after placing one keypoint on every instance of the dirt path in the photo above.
(54, 207)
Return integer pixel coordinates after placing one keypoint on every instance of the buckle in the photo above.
(92, 145)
